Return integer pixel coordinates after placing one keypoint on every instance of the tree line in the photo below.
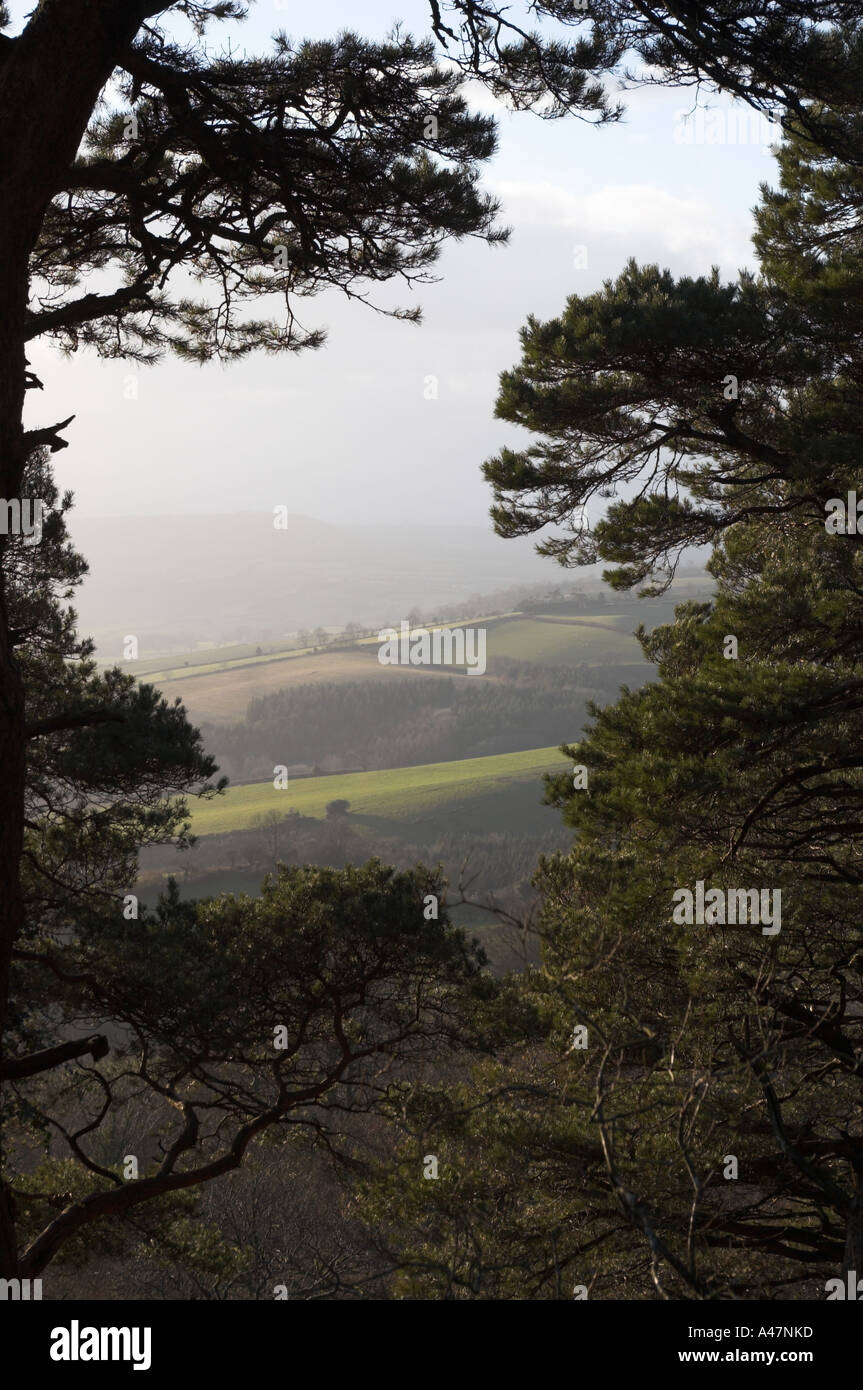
(363, 725)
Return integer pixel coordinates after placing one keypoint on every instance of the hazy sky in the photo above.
(345, 433)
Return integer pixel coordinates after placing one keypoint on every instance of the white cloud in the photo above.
(624, 218)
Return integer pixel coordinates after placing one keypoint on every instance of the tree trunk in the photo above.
(12, 741)
(50, 80)
(853, 1259)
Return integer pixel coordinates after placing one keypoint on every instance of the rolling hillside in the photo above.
(480, 790)
(220, 690)
(177, 580)
(224, 694)
(567, 641)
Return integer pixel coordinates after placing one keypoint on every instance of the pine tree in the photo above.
(691, 1127)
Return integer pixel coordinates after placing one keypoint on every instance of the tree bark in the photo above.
(853, 1259)
(50, 80)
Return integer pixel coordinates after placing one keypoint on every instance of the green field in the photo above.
(525, 637)
(215, 660)
(564, 642)
(595, 639)
(195, 669)
(405, 794)
(623, 622)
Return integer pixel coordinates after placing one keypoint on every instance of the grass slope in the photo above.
(405, 794)
(504, 630)
(221, 691)
(564, 642)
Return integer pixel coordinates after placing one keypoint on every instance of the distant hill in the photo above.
(177, 581)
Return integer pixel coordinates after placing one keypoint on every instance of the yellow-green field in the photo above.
(564, 642)
(399, 794)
